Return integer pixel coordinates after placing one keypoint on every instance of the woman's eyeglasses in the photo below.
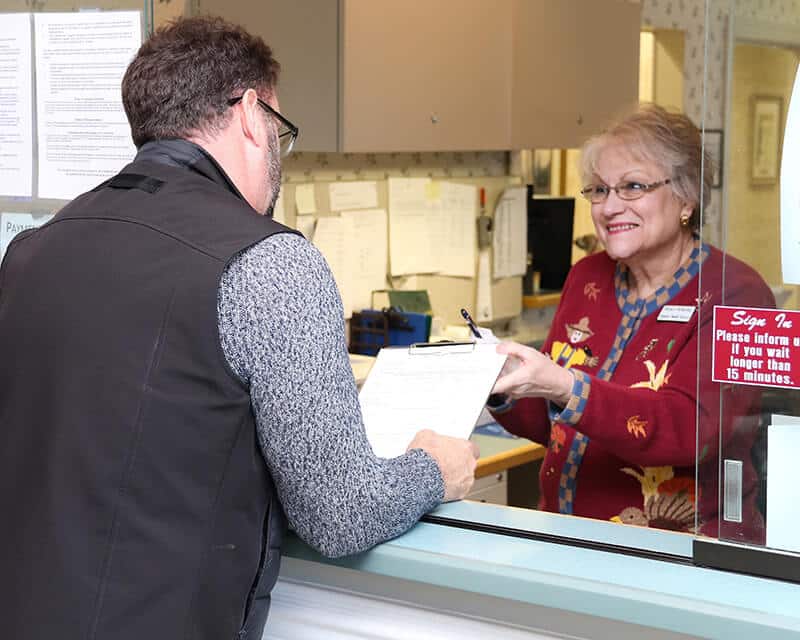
(631, 190)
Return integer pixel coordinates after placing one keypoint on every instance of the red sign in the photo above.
(757, 346)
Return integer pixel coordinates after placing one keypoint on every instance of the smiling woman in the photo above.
(617, 401)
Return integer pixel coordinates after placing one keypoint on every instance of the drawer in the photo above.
(493, 489)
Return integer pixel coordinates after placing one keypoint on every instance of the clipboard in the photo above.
(441, 386)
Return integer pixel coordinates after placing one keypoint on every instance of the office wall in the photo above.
(703, 78)
(753, 209)
(689, 17)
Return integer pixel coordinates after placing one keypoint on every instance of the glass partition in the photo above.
(755, 354)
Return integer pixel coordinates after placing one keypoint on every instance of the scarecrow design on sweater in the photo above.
(571, 353)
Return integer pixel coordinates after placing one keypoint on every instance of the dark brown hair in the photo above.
(179, 82)
(668, 140)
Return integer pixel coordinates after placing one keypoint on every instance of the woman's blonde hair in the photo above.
(668, 140)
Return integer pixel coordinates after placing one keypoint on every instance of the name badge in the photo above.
(675, 313)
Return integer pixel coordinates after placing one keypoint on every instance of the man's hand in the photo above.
(456, 459)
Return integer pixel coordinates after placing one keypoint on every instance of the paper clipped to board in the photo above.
(442, 387)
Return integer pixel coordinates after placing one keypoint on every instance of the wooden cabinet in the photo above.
(304, 38)
(425, 75)
(576, 66)
(446, 75)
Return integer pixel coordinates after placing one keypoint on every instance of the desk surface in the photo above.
(499, 453)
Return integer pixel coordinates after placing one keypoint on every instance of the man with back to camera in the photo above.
(175, 377)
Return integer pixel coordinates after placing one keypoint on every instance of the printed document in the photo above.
(510, 238)
(442, 388)
(353, 195)
(411, 227)
(84, 136)
(333, 236)
(16, 106)
(370, 250)
(456, 243)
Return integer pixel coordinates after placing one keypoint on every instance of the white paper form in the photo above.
(13, 223)
(790, 190)
(510, 235)
(457, 240)
(370, 254)
(16, 105)
(83, 134)
(783, 517)
(333, 237)
(442, 388)
(410, 226)
(353, 195)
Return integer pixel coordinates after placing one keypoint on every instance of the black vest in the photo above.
(134, 500)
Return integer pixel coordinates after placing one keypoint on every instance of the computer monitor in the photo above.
(550, 223)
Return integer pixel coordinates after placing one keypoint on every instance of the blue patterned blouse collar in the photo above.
(629, 304)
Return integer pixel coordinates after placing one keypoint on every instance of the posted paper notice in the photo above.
(16, 106)
(13, 223)
(83, 134)
(756, 346)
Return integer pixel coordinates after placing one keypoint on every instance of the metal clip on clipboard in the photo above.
(441, 348)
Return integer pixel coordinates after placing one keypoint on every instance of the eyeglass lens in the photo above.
(286, 139)
(598, 193)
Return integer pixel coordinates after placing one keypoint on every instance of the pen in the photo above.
(470, 323)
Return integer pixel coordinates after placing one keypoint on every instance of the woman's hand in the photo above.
(530, 373)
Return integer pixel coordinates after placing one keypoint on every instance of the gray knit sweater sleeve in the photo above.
(282, 331)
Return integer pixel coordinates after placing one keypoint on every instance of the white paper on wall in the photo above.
(83, 134)
(456, 242)
(370, 253)
(333, 237)
(790, 190)
(410, 227)
(353, 195)
(16, 105)
(305, 199)
(510, 235)
(13, 223)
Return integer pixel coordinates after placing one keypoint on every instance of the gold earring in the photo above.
(684, 221)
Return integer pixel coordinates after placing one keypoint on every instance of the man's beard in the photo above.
(273, 174)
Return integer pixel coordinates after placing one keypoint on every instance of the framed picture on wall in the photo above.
(766, 138)
(713, 141)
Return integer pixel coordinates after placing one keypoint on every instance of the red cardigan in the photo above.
(625, 446)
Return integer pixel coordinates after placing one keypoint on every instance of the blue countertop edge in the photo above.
(667, 595)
